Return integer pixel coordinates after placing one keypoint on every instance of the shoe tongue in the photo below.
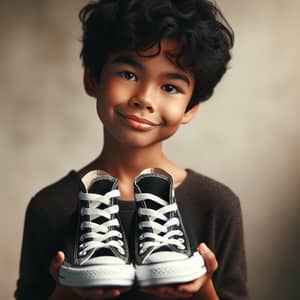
(101, 186)
(157, 186)
(103, 252)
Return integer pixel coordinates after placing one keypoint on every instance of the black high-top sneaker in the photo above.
(162, 249)
(96, 250)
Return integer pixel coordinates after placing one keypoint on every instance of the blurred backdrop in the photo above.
(246, 136)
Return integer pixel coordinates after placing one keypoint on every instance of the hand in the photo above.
(187, 290)
(64, 292)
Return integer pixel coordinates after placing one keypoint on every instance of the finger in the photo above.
(166, 292)
(103, 293)
(173, 292)
(111, 293)
(209, 258)
(95, 293)
(89, 293)
(193, 286)
(55, 264)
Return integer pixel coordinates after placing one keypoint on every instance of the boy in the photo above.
(148, 64)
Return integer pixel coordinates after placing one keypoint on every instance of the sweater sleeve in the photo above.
(212, 214)
(34, 280)
(230, 278)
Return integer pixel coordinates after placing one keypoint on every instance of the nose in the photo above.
(142, 102)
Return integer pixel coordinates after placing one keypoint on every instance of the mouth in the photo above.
(137, 123)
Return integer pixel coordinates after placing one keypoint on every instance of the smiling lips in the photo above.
(137, 123)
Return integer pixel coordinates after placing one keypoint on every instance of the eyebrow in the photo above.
(178, 76)
(131, 62)
(127, 61)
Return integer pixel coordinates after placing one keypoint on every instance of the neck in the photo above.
(125, 162)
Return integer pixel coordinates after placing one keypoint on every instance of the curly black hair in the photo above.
(204, 35)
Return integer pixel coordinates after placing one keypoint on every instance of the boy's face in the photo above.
(142, 100)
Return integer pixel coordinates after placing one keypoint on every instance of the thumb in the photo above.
(209, 258)
(55, 264)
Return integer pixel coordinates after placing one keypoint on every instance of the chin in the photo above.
(135, 141)
(139, 139)
(138, 143)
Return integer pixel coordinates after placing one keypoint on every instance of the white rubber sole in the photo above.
(97, 275)
(172, 272)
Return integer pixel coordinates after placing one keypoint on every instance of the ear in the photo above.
(89, 83)
(189, 115)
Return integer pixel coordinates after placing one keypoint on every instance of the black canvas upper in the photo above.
(162, 187)
(72, 238)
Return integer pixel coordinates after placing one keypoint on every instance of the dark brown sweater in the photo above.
(211, 213)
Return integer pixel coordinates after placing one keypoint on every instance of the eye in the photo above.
(170, 88)
(128, 75)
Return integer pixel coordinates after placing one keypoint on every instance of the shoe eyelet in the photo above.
(82, 253)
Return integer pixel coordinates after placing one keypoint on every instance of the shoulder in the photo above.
(209, 195)
(54, 197)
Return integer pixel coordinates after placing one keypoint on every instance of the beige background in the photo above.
(247, 136)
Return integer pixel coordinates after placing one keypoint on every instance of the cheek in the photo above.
(108, 92)
(116, 90)
(173, 114)
(109, 95)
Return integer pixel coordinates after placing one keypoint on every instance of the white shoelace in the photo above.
(158, 240)
(100, 233)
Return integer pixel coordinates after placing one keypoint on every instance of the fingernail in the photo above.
(204, 248)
